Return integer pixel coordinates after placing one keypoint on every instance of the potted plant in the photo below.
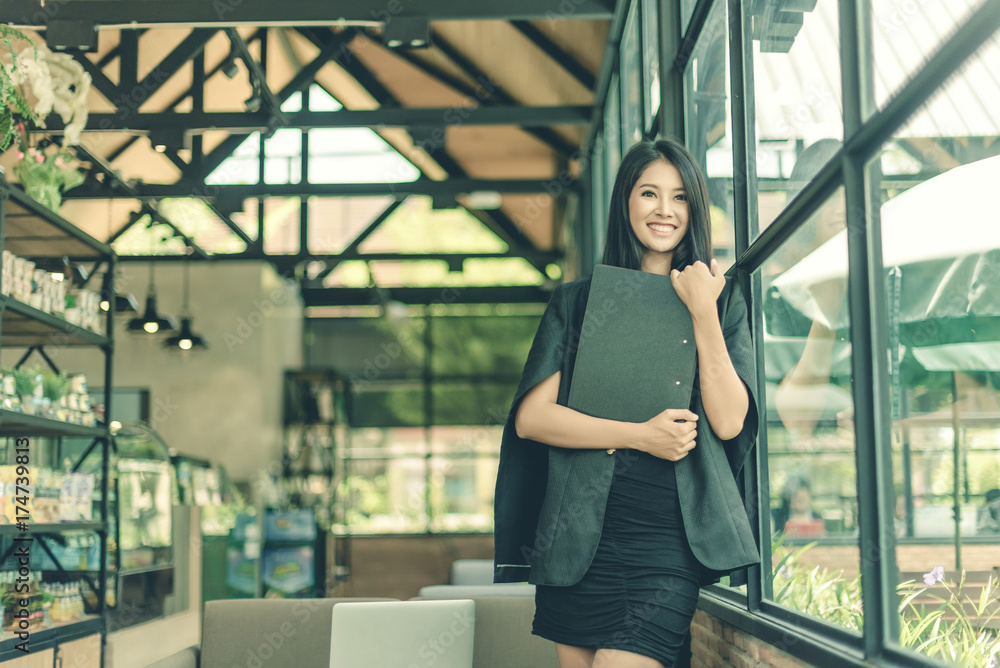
(34, 83)
(45, 172)
(25, 382)
(54, 386)
(12, 101)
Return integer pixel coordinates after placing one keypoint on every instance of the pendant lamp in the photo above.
(185, 339)
(151, 322)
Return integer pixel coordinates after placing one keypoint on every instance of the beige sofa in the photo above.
(257, 633)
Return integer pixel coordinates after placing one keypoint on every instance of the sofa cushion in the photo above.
(186, 658)
(503, 634)
(254, 633)
(472, 572)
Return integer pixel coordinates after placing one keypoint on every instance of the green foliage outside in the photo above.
(952, 628)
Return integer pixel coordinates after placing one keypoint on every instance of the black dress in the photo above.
(641, 589)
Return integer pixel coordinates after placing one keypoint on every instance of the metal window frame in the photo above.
(866, 129)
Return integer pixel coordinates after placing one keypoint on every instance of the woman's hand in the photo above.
(670, 434)
(699, 287)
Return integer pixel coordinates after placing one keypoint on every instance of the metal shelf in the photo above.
(32, 231)
(42, 639)
(13, 423)
(25, 325)
(60, 527)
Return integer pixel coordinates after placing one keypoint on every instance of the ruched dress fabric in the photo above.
(641, 589)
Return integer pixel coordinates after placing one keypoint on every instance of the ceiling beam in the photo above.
(299, 82)
(345, 58)
(200, 13)
(556, 53)
(496, 96)
(543, 257)
(358, 240)
(186, 188)
(495, 294)
(257, 76)
(244, 122)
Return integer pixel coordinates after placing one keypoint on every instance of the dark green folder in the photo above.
(636, 355)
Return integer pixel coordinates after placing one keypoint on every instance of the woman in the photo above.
(796, 504)
(642, 513)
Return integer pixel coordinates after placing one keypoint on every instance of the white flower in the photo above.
(58, 83)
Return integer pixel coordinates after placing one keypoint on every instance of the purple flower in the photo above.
(936, 575)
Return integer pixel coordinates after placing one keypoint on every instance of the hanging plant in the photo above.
(53, 82)
(12, 101)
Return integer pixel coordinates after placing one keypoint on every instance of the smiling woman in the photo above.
(618, 558)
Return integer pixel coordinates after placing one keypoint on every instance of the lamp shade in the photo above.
(185, 339)
(151, 321)
(124, 303)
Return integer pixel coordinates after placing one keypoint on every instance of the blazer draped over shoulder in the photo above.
(549, 503)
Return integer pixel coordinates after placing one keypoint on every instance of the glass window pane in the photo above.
(810, 436)
(386, 405)
(708, 119)
(687, 9)
(612, 133)
(383, 442)
(906, 34)
(471, 402)
(462, 493)
(942, 274)
(630, 62)
(385, 496)
(282, 223)
(335, 222)
(650, 61)
(242, 167)
(601, 193)
(469, 441)
(797, 99)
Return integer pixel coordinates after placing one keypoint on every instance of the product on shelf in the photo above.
(55, 496)
(73, 407)
(50, 293)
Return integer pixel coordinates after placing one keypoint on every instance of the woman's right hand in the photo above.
(670, 434)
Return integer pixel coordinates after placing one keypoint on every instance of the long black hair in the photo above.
(622, 248)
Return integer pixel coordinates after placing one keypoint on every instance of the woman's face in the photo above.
(658, 209)
(801, 501)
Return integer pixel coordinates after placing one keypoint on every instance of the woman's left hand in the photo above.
(699, 287)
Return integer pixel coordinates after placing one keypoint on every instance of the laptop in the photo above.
(402, 634)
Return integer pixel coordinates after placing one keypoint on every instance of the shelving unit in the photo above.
(31, 231)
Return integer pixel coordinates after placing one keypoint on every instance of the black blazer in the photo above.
(549, 502)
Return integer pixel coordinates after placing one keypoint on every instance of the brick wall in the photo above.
(715, 644)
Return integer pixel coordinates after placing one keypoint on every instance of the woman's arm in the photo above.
(723, 394)
(541, 419)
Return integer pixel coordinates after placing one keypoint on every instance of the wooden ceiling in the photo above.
(541, 59)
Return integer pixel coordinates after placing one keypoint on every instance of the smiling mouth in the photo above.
(661, 227)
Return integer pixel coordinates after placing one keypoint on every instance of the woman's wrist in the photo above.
(635, 436)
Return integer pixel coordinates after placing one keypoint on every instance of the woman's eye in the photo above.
(682, 198)
(648, 192)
